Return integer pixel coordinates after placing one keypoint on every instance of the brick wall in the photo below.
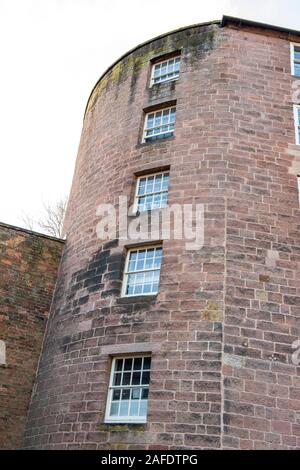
(220, 330)
(28, 271)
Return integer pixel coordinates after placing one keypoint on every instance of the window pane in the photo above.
(297, 53)
(164, 67)
(147, 288)
(137, 363)
(147, 363)
(149, 263)
(150, 119)
(116, 394)
(149, 277)
(125, 393)
(117, 379)
(142, 186)
(133, 255)
(140, 265)
(130, 290)
(173, 115)
(128, 364)
(138, 289)
(126, 378)
(136, 393)
(124, 408)
(134, 408)
(136, 378)
(114, 409)
(155, 287)
(157, 71)
(143, 408)
(131, 266)
(141, 254)
(145, 378)
(177, 65)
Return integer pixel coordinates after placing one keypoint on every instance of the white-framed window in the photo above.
(165, 70)
(297, 122)
(128, 390)
(152, 191)
(2, 352)
(159, 124)
(142, 271)
(295, 59)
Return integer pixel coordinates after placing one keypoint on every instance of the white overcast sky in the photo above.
(53, 52)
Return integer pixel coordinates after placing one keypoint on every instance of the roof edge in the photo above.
(242, 22)
(31, 232)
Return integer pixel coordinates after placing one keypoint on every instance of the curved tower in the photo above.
(175, 342)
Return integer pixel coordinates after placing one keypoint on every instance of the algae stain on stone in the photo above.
(194, 43)
(133, 63)
(212, 312)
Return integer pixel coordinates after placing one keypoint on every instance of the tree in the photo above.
(51, 222)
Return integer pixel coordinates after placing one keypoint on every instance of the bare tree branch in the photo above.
(28, 221)
(51, 221)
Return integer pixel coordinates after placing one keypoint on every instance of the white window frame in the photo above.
(154, 64)
(297, 123)
(160, 133)
(147, 175)
(2, 352)
(126, 272)
(292, 49)
(111, 388)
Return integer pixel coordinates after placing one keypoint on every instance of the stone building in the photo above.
(28, 271)
(151, 344)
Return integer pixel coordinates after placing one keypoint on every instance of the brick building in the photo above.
(152, 345)
(28, 271)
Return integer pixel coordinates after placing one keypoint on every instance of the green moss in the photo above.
(119, 447)
(121, 427)
(133, 63)
(198, 44)
(192, 41)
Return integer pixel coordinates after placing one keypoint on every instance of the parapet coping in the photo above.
(31, 232)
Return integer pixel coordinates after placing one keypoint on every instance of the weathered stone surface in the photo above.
(225, 318)
(28, 271)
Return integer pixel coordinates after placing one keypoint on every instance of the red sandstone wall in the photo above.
(261, 385)
(28, 270)
(221, 312)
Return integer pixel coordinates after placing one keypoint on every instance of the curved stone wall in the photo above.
(231, 132)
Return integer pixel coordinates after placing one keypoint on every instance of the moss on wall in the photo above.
(194, 43)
